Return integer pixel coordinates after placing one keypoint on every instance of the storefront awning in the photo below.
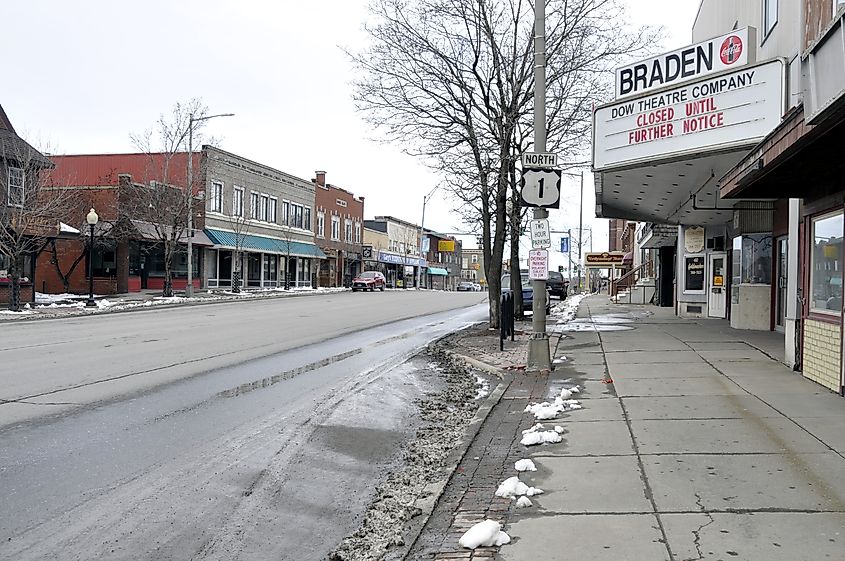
(437, 271)
(154, 232)
(263, 244)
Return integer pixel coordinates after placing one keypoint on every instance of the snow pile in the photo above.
(525, 465)
(523, 502)
(558, 429)
(484, 534)
(512, 487)
(482, 387)
(545, 411)
(566, 311)
(536, 435)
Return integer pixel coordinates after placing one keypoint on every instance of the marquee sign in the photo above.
(726, 52)
(722, 111)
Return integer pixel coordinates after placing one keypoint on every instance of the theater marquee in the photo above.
(720, 111)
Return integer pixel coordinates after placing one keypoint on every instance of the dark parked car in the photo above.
(527, 292)
(369, 280)
(558, 286)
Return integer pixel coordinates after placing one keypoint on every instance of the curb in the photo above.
(432, 493)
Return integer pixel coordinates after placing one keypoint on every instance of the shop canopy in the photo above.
(437, 271)
(250, 242)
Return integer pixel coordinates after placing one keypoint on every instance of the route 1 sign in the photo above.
(541, 187)
(540, 234)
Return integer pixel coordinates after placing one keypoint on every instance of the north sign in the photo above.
(536, 160)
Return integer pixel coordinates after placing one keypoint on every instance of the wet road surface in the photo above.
(273, 457)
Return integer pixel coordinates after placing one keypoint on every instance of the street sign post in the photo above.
(541, 187)
(540, 233)
(564, 245)
(538, 264)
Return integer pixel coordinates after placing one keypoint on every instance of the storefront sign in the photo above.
(725, 111)
(694, 239)
(694, 273)
(726, 52)
(538, 264)
(394, 259)
(446, 246)
(367, 251)
(604, 259)
(718, 280)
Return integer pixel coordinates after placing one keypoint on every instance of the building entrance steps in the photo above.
(694, 442)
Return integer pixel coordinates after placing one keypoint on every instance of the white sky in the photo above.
(84, 75)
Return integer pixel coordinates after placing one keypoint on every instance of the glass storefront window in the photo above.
(756, 261)
(826, 255)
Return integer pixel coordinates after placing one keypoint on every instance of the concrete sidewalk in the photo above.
(692, 444)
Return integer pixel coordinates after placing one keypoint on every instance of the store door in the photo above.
(780, 280)
(717, 291)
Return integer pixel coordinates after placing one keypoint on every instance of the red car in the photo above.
(369, 280)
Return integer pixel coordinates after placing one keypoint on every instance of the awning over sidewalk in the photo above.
(264, 244)
(437, 271)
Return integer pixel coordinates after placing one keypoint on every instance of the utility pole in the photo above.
(569, 253)
(580, 228)
(539, 357)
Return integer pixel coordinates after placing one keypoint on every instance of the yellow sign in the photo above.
(718, 280)
(447, 246)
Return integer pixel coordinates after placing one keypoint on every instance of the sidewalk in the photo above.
(692, 444)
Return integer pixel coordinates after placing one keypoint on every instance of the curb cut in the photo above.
(432, 493)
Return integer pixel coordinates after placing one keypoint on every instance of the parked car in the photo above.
(527, 292)
(369, 280)
(558, 286)
(466, 286)
(476, 287)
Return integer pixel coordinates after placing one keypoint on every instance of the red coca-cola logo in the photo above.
(731, 50)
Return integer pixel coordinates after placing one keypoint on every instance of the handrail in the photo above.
(630, 278)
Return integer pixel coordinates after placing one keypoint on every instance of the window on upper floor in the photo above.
(348, 231)
(474, 258)
(770, 16)
(272, 205)
(357, 232)
(216, 197)
(254, 210)
(238, 201)
(286, 213)
(336, 228)
(306, 218)
(262, 207)
(321, 225)
(16, 187)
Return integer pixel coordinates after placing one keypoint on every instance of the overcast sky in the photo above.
(81, 76)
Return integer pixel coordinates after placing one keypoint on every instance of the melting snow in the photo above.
(484, 534)
(525, 465)
(482, 389)
(541, 437)
(523, 502)
(512, 487)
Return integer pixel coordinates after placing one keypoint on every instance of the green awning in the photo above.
(437, 271)
(250, 242)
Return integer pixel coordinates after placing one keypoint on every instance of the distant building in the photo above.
(400, 261)
(472, 266)
(339, 231)
(444, 261)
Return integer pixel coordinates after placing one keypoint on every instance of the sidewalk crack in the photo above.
(697, 532)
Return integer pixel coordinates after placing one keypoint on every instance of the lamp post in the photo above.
(422, 225)
(92, 220)
(189, 287)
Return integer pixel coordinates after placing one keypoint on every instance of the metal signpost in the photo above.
(541, 189)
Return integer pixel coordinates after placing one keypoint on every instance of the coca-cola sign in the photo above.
(731, 50)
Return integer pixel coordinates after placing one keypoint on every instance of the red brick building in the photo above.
(131, 260)
(339, 231)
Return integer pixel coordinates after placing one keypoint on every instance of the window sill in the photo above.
(825, 316)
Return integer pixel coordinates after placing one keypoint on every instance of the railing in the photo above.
(632, 277)
(506, 319)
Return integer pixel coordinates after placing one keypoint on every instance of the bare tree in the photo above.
(452, 80)
(31, 207)
(163, 198)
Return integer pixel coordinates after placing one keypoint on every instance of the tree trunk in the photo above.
(15, 288)
(236, 275)
(167, 292)
(515, 227)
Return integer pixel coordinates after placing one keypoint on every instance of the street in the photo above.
(202, 431)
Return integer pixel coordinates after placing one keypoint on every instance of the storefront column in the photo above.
(792, 283)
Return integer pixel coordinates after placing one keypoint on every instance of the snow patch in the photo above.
(482, 387)
(541, 437)
(512, 487)
(525, 465)
(484, 534)
(523, 502)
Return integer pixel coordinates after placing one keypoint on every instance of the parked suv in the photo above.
(558, 286)
(369, 280)
(527, 292)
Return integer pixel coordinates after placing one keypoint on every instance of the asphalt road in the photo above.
(240, 430)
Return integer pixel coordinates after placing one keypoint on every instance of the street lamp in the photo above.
(189, 288)
(92, 220)
(422, 225)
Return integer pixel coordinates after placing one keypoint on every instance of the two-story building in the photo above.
(261, 222)
(401, 261)
(339, 231)
(472, 266)
(444, 261)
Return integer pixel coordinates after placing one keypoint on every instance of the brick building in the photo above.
(339, 232)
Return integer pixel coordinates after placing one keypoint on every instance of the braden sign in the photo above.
(726, 52)
(722, 111)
